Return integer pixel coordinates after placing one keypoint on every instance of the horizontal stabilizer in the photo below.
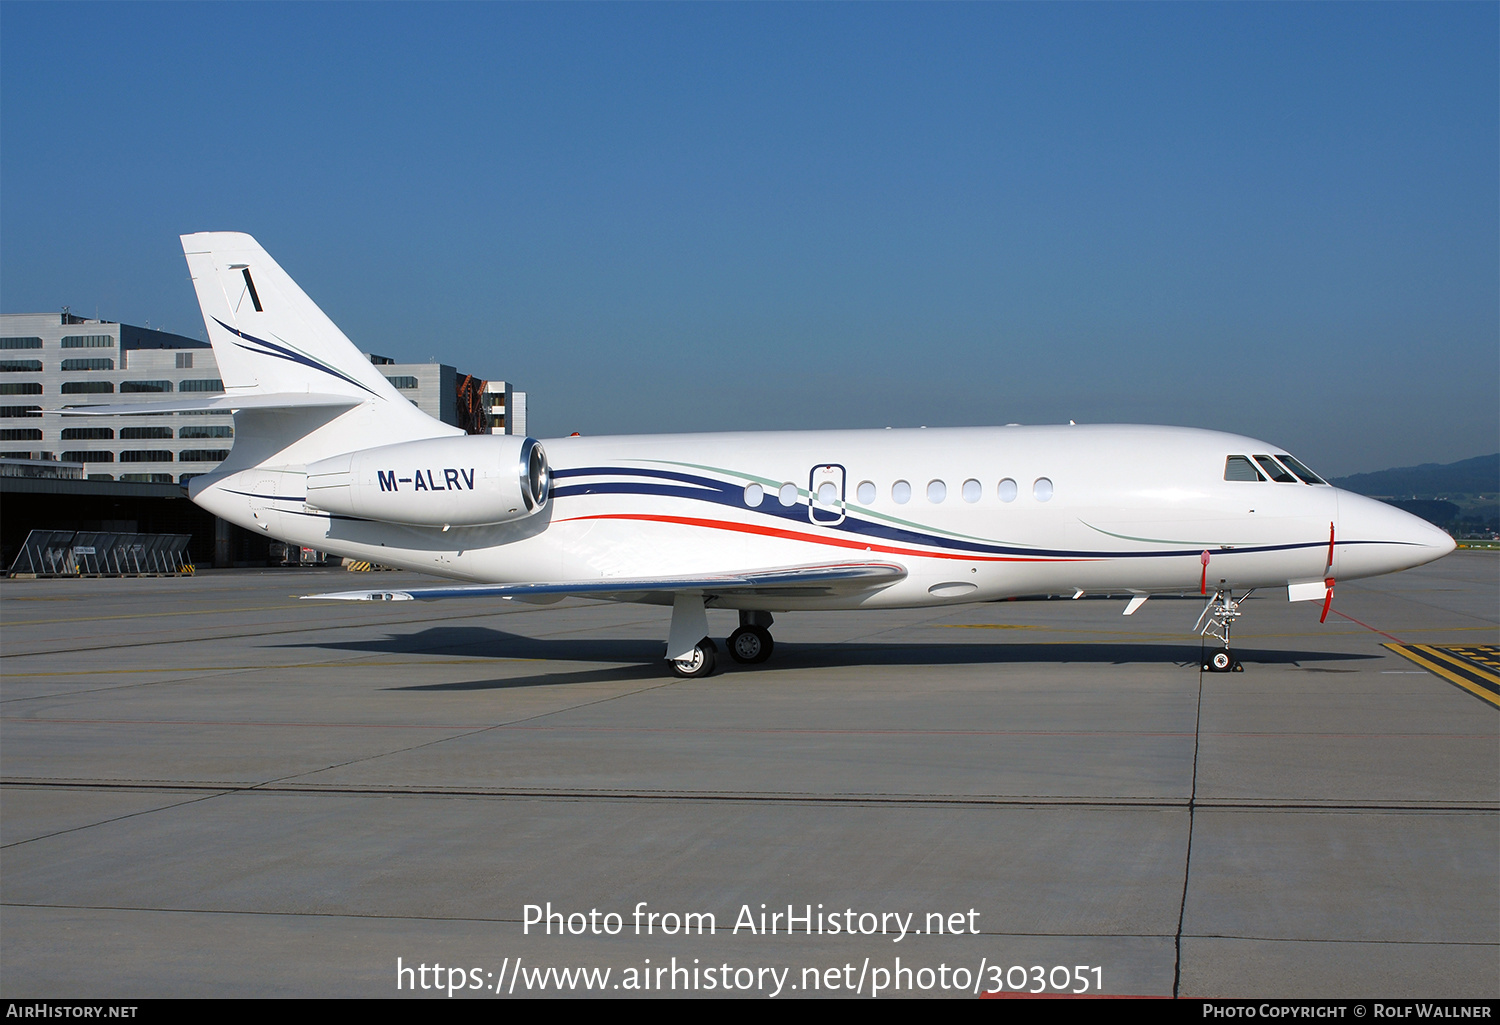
(209, 403)
(820, 581)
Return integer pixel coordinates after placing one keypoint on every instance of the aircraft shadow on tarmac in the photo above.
(479, 642)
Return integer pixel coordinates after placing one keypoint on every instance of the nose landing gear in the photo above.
(1217, 618)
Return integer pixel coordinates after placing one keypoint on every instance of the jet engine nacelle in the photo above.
(467, 481)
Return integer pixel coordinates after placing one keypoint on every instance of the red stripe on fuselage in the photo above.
(792, 535)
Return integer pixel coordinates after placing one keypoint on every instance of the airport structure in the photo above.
(50, 361)
(126, 472)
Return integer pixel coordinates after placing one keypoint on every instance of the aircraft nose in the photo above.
(1375, 538)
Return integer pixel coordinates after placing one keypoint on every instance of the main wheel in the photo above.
(1221, 660)
(699, 663)
(750, 645)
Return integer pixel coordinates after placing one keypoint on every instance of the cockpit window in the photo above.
(1276, 471)
(1307, 475)
(1241, 468)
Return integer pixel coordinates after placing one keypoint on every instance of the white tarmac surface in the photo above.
(212, 789)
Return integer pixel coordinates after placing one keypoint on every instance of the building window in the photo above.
(184, 361)
(20, 388)
(20, 366)
(203, 455)
(136, 433)
(18, 411)
(88, 364)
(151, 386)
(88, 457)
(148, 455)
(147, 478)
(87, 388)
(20, 434)
(404, 383)
(204, 384)
(88, 342)
(88, 434)
(205, 432)
(29, 342)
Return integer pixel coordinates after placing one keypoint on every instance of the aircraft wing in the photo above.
(824, 580)
(210, 403)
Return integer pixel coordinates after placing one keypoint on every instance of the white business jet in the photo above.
(328, 454)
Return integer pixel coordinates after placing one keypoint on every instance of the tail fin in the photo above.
(270, 340)
(266, 333)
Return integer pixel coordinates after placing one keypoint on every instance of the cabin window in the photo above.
(1007, 490)
(973, 491)
(787, 495)
(1042, 489)
(937, 491)
(866, 492)
(901, 492)
(754, 494)
(1275, 470)
(1307, 475)
(828, 493)
(1240, 468)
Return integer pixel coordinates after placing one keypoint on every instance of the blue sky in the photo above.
(1278, 219)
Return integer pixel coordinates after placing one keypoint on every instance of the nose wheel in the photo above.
(1222, 661)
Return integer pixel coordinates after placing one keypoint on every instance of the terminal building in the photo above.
(119, 470)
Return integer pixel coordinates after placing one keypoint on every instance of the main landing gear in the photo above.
(693, 659)
(700, 662)
(1217, 618)
(751, 644)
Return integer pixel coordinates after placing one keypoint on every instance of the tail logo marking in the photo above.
(289, 354)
